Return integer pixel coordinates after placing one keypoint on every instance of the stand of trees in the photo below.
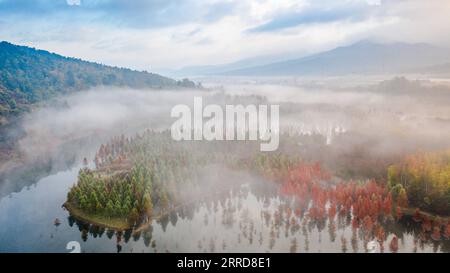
(28, 76)
(135, 178)
(146, 175)
(132, 196)
(423, 181)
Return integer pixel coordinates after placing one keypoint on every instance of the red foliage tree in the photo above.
(393, 246)
(447, 231)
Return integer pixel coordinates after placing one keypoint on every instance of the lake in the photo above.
(249, 218)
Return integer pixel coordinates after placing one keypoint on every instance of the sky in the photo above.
(154, 34)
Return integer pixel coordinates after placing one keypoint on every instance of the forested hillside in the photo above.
(28, 76)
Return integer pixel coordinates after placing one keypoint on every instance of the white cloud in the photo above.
(73, 2)
(374, 2)
(226, 38)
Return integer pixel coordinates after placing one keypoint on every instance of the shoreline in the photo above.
(117, 224)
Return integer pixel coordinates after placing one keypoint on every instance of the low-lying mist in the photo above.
(97, 115)
(336, 123)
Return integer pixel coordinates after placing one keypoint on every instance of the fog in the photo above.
(97, 113)
(375, 120)
(355, 130)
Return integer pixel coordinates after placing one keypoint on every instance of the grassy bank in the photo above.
(115, 223)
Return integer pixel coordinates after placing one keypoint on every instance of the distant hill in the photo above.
(211, 70)
(360, 58)
(28, 75)
(436, 69)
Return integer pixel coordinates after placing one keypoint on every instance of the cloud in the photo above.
(73, 2)
(32, 7)
(135, 14)
(320, 12)
(174, 33)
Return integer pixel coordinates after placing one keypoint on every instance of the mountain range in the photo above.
(28, 75)
(365, 57)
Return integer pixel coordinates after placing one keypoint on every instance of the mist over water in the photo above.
(224, 126)
(392, 116)
(372, 121)
(378, 118)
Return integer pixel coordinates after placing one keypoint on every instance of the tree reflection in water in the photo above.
(269, 223)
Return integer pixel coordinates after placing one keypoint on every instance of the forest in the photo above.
(425, 178)
(28, 76)
(149, 175)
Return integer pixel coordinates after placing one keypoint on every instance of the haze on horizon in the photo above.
(151, 35)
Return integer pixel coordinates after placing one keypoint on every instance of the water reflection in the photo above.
(248, 219)
(246, 222)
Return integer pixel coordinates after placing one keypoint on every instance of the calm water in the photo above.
(247, 219)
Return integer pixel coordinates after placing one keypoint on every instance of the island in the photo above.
(146, 177)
